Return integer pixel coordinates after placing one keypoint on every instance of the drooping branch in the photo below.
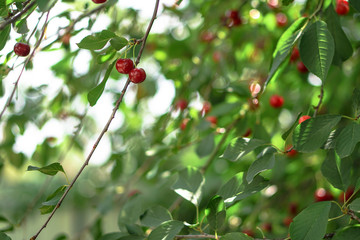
(106, 127)
(8, 102)
(17, 15)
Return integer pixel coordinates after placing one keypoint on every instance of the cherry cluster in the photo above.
(126, 66)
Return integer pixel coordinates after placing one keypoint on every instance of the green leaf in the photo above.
(113, 236)
(355, 4)
(311, 223)
(45, 5)
(52, 200)
(3, 9)
(343, 48)
(313, 133)
(189, 185)
(166, 231)
(317, 49)
(265, 160)
(51, 169)
(356, 101)
(337, 171)
(118, 42)
(355, 205)
(216, 213)
(347, 233)
(3, 236)
(4, 35)
(96, 42)
(291, 129)
(154, 216)
(95, 93)
(237, 188)
(206, 146)
(347, 140)
(21, 26)
(239, 147)
(285, 45)
(236, 236)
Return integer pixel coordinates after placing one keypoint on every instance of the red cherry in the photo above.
(342, 7)
(216, 56)
(322, 195)
(181, 104)
(281, 20)
(184, 123)
(124, 65)
(247, 133)
(249, 232)
(235, 22)
(349, 192)
(267, 227)
(137, 75)
(212, 119)
(302, 68)
(276, 101)
(207, 37)
(293, 208)
(287, 221)
(304, 118)
(273, 4)
(292, 152)
(232, 14)
(98, 1)
(205, 108)
(21, 49)
(295, 54)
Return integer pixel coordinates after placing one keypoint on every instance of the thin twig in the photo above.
(105, 129)
(353, 215)
(321, 96)
(196, 236)
(17, 16)
(25, 64)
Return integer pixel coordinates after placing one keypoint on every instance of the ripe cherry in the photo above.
(292, 152)
(181, 104)
(301, 67)
(342, 7)
(212, 119)
(207, 37)
(98, 1)
(295, 54)
(304, 118)
(287, 221)
(322, 195)
(232, 18)
(205, 108)
(273, 4)
(124, 65)
(21, 49)
(281, 20)
(137, 75)
(249, 232)
(217, 56)
(349, 192)
(293, 208)
(267, 227)
(276, 101)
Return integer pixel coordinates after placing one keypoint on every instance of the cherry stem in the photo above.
(321, 96)
(105, 129)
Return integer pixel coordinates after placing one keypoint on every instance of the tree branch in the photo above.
(8, 102)
(17, 16)
(105, 129)
(353, 215)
